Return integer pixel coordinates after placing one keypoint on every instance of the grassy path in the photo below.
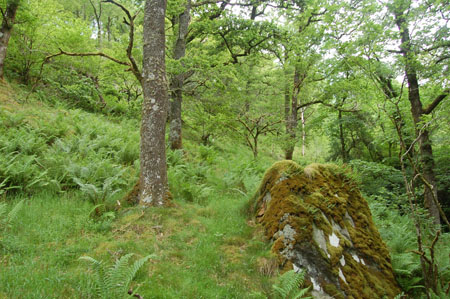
(202, 251)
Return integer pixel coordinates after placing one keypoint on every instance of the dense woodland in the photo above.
(108, 107)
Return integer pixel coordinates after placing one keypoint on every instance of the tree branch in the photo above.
(4, 16)
(436, 101)
(201, 3)
(61, 52)
(134, 67)
(126, 11)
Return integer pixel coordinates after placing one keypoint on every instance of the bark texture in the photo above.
(177, 81)
(417, 111)
(8, 19)
(153, 176)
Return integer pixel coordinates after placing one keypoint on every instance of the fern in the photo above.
(114, 281)
(7, 219)
(288, 286)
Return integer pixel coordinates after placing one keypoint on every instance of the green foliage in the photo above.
(392, 223)
(114, 281)
(289, 286)
(189, 179)
(6, 219)
(377, 179)
(61, 150)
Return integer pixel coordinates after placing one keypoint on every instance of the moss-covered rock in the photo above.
(318, 221)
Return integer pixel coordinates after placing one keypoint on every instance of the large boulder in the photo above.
(319, 222)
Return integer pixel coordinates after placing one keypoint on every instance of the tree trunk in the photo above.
(177, 81)
(291, 125)
(344, 153)
(5, 31)
(108, 28)
(98, 16)
(426, 152)
(255, 147)
(303, 119)
(153, 176)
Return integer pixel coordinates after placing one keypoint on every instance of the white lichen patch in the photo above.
(334, 240)
(316, 285)
(342, 261)
(343, 231)
(363, 262)
(147, 199)
(341, 275)
(289, 233)
(296, 269)
(356, 258)
(319, 239)
(285, 216)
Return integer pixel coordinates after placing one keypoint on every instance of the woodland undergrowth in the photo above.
(68, 170)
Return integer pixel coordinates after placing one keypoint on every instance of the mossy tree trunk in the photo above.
(8, 19)
(153, 176)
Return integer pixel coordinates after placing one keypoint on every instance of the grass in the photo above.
(63, 162)
(201, 252)
(67, 161)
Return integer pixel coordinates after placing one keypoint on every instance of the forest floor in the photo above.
(202, 248)
(72, 167)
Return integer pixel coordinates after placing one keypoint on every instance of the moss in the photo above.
(331, 289)
(326, 196)
(132, 197)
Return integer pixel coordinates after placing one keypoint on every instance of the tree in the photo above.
(8, 19)
(153, 176)
(402, 10)
(177, 80)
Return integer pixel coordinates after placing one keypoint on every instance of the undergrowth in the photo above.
(71, 165)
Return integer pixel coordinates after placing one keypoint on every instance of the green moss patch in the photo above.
(318, 221)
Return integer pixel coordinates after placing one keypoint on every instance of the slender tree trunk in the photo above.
(5, 31)
(425, 148)
(287, 97)
(303, 120)
(177, 81)
(291, 126)
(153, 176)
(255, 147)
(344, 153)
(108, 28)
(98, 16)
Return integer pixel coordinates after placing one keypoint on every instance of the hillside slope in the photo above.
(67, 162)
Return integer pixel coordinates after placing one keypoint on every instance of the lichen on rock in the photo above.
(319, 222)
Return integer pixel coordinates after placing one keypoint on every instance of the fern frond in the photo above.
(131, 273)
(114, 281)
(2, 212)
(289, 283)
(12, 215)
(301, 293)
(119, 270)
(280, 291)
